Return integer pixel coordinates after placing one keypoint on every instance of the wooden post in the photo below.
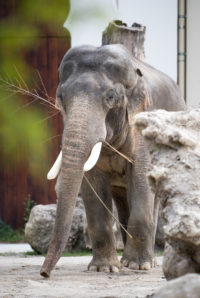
(132, 37)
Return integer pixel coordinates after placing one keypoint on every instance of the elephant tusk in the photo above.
(90, 163)
(56, 168)
(93, 158)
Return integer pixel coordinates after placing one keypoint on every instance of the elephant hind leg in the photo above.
(119, 196)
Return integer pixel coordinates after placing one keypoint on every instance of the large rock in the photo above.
(173, 139)
(39, 229)
(187, 286)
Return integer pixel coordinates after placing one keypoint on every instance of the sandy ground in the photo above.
(19, 277)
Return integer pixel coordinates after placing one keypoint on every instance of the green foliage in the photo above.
(7, 234)
(21, 132)
(45, 11)
(65, 254)
(78, 253)
(18, 31)
(29, 204)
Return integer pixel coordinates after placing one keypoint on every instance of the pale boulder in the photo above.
(174, 143)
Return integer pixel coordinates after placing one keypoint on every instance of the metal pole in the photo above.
(181, 55)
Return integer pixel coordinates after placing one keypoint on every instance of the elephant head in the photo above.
(99, 91)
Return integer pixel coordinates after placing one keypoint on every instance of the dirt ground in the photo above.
(19, 277)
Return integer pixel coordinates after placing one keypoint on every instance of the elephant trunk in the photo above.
(76, 148)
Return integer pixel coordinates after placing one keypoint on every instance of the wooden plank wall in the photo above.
(16, 183)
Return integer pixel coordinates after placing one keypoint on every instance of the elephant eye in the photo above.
(110, 98)
(110, 94)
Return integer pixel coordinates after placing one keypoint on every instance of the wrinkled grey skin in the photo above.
(100, 91)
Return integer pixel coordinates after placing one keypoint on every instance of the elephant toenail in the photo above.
(145, 266)
(114, 269)
(92, 268)
(133, 266)
(104, 269)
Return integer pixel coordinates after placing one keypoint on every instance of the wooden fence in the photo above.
(16, 183)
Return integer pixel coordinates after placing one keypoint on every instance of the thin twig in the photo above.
(45, 90)
(121, 154)
(21, 78)
(18, 82)
(129, 235)
(49, 117)
(51, 138)
(17, 89)
(25, 105)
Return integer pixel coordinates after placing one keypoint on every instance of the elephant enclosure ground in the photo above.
(19, 277)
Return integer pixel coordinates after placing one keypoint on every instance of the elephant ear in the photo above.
(138, 98)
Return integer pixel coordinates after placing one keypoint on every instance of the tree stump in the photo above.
(132, 37)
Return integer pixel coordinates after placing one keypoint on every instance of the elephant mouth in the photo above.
(89, 164)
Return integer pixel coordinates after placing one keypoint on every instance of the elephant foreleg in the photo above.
(100, 223)
(138, 252)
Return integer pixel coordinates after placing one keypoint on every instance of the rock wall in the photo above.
(173, 139)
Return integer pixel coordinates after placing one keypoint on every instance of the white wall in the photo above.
(160, 19)
(159, 16)
(193, 54)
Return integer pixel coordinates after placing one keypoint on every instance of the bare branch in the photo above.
(10, 86)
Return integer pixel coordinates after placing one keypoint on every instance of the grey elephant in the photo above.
(99, 92)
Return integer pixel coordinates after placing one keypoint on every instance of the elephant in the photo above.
(100, 91)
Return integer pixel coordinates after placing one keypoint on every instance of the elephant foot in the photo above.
(138, 265)
(106, 265)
